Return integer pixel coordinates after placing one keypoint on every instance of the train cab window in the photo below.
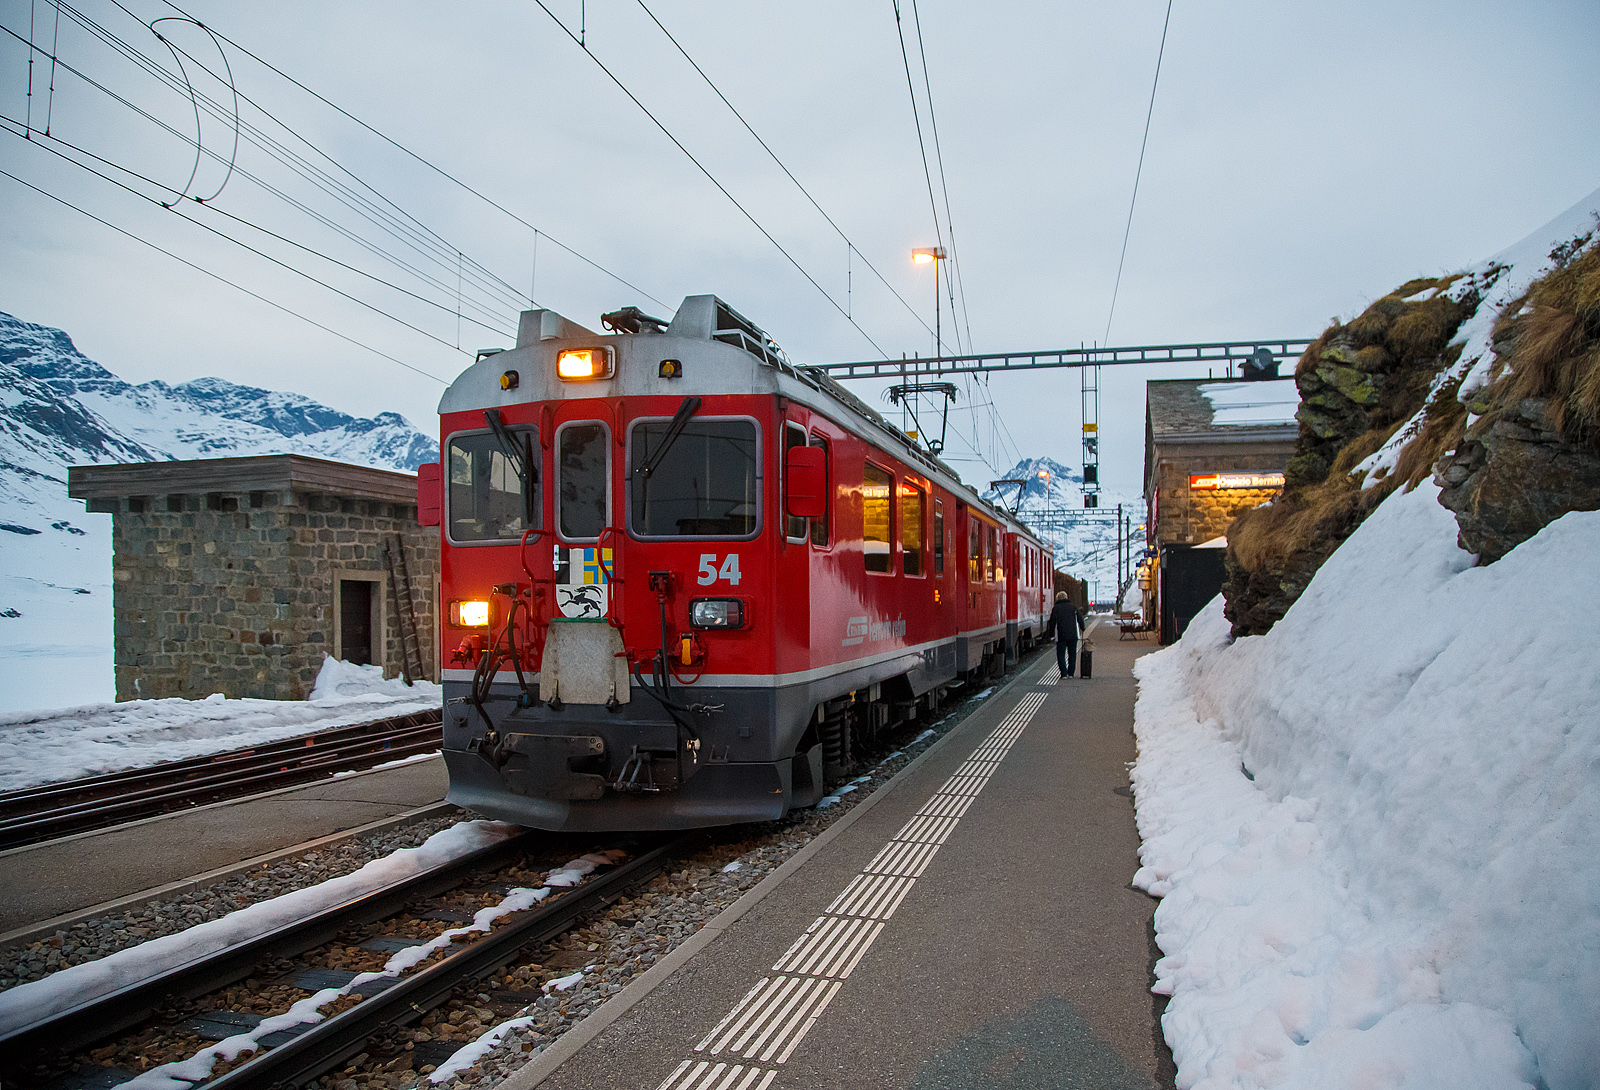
(490, 497)
(583, 479)
(913, 512)
(938, 537)
(974, 551)
(819, 526)
(704, 483)
(877, 492)
(794, 525)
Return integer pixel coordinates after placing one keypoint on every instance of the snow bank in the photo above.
(62, 744)
(27, 1003)
(1406, 894)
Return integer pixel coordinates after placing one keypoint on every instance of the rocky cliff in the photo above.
(1488, 381)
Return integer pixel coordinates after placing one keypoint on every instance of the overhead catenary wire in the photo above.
(8, 121)
(218, 277)
(850, 247)
(916, 116)
(1128, 229)
(710, 176)
(491, 202)
(399, 224)
(956, 282)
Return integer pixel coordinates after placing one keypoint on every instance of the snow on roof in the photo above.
(1272, 401)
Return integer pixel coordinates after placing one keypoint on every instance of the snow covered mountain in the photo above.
(59, 408)
(1085, 539)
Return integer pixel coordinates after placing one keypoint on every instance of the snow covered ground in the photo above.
(55, 609)
(61, 744)
(1374, 829)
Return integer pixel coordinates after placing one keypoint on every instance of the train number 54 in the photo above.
(710, 572)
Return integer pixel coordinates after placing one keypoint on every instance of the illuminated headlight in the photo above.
(584, 364)
(469, 614)
(716, 613)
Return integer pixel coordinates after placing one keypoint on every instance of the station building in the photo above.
(237, 575)
(1213, 448)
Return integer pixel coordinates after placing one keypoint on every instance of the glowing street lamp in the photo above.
(932, 255)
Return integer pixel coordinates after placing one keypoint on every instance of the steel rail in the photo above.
(329, 1043)
(115, 780)
(35, 814)
(95, 1019)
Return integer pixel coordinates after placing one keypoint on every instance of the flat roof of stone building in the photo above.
(262, 473)
(1178, 409)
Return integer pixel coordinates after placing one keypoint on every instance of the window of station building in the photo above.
(938, 537)
(706, 483)
(794, 525)
(583, 477)
(877, 500)
(819, 526)
(486, 496)
(913, 510)
(974, 551)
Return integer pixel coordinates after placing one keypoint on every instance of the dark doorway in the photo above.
(1189, 579)
(355, 621)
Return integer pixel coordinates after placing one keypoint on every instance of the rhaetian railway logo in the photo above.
(866, 630)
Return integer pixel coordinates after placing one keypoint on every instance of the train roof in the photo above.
(716, 345)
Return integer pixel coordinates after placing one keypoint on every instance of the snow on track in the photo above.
(51, 746)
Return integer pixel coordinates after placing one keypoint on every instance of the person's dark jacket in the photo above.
(1065, 622)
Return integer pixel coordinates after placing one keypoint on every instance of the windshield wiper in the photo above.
(690, 406)
(521, 458)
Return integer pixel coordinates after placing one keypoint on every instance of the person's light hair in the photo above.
(1061, 596)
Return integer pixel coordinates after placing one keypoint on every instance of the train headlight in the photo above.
(585, 364)
(471, 614)
(716, 613)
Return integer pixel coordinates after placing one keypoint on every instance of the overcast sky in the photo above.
(1303, 159)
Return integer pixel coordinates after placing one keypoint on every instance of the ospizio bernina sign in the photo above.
(1201, 482)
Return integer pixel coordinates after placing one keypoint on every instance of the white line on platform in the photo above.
(775, 1015)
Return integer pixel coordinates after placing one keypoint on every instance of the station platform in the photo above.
(42, 884)
(973, 929)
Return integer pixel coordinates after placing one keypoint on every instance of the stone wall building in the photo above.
(237, 575)
(1213, 448)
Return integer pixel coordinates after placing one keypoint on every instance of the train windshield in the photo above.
(486, 499)
(703, 484)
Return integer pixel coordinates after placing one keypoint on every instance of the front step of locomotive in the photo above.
(594, 745)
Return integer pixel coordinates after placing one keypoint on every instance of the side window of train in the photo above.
(819, 527)
(491, 496)
(938, 537)
(877, 498)
(703, 483)
(988, 554)
(793, 436)
(974, 550)
(913, 513)
(583, 479)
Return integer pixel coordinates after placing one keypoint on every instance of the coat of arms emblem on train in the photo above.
(583, 582)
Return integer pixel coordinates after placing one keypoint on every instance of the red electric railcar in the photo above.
(683, 578)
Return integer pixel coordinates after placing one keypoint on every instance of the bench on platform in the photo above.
(1131, 626)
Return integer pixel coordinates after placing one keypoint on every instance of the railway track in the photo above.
(49, 811)
(312, 1049)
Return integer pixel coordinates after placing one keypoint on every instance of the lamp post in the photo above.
(932, 255)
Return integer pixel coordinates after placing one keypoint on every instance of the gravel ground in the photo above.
(552, 987)
(95, 938)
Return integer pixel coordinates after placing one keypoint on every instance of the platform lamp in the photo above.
(925, 255)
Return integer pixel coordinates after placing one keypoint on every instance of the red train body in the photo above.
(684, 579)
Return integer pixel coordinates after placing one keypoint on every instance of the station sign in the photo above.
(1201, 482)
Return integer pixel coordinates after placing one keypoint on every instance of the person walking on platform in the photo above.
(1066, 622)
